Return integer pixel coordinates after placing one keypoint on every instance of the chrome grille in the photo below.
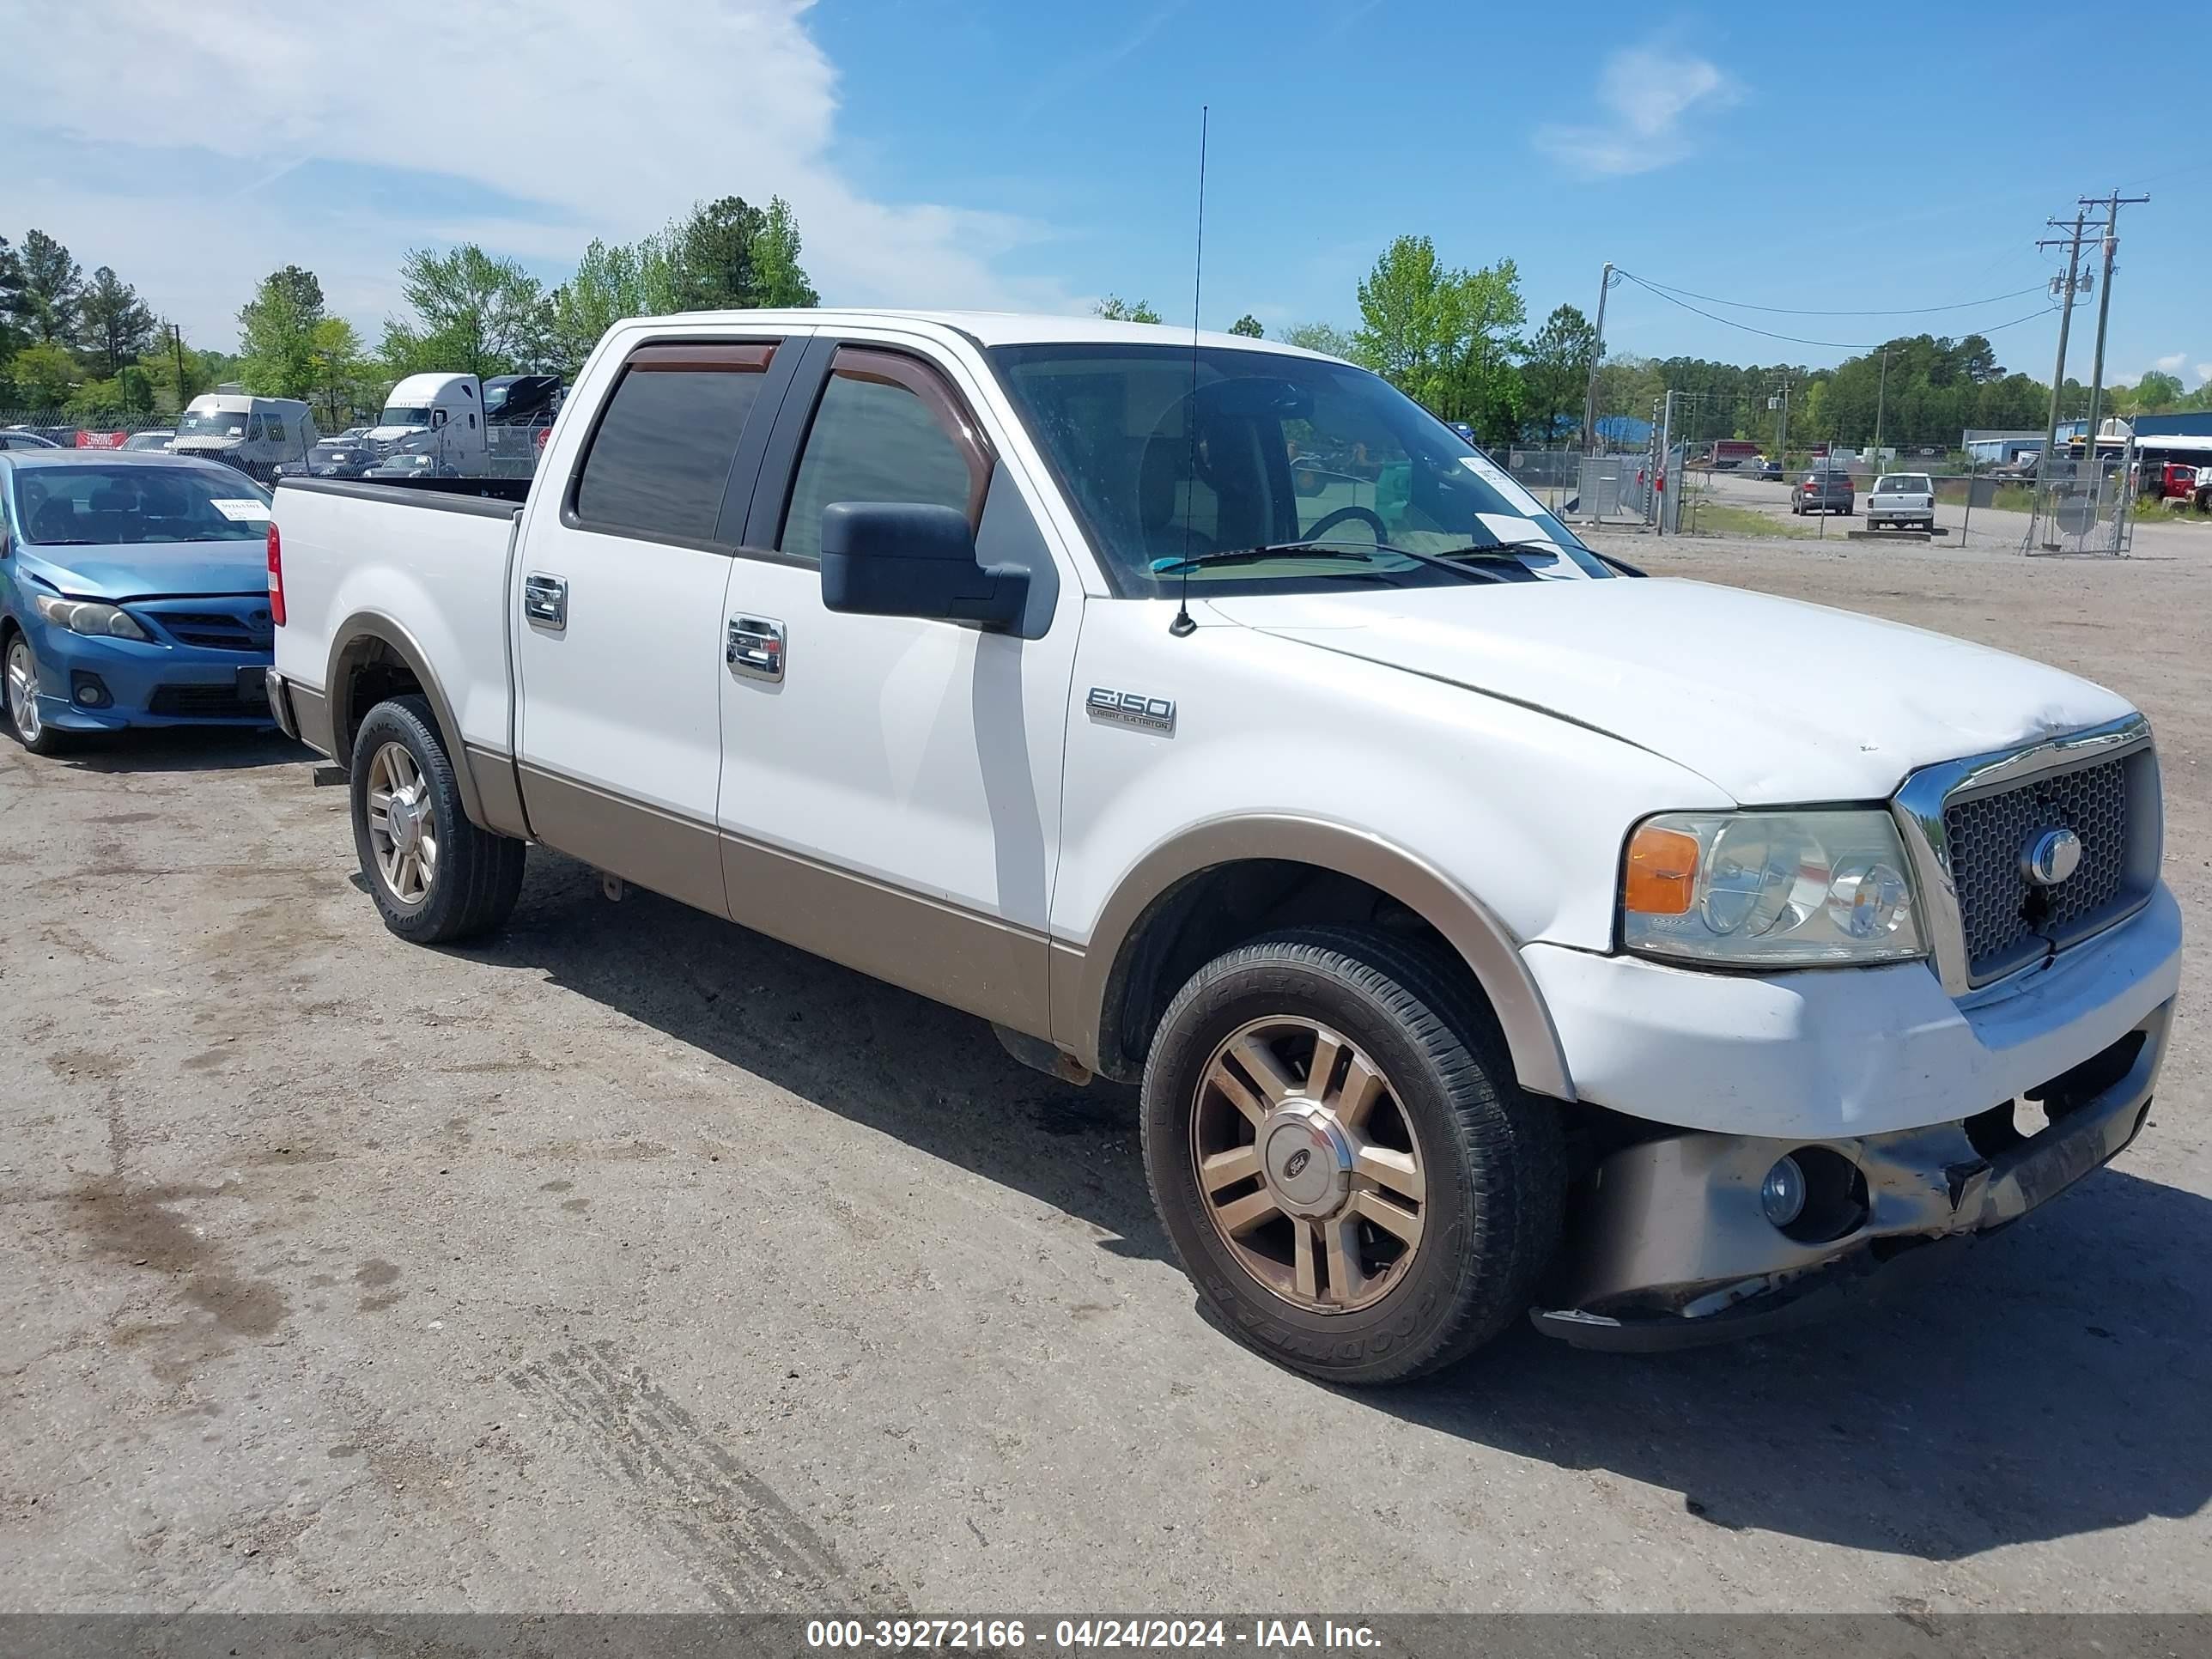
(2008, 918)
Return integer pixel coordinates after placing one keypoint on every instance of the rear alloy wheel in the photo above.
(22, 682)
(434, 876)
(1342, 1157)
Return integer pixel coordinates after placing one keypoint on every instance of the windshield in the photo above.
(213, 423)
(1269, 449)
(103, 505)
(404, 415)
(149, 440)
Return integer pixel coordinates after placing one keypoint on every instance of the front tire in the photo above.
(20, 676)
(1340, 1156)
(434, 876)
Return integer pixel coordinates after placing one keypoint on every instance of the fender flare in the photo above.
(350, 645)
(1084, 981)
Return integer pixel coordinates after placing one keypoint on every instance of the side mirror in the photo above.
(911, 559)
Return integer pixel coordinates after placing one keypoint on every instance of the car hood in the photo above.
(149, 570)
(1773, 700)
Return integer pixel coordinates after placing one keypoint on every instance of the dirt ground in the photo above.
(633, 1261)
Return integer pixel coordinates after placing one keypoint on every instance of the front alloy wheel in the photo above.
(23, 685)
(403, 828)
(1310, 1169)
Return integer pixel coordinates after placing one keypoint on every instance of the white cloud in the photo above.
(1650, 95)
(2172, 363)
(596, 119)
(2204, 372)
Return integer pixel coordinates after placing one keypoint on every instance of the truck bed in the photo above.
(427, 563)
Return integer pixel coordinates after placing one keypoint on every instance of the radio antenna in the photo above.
(1183, 624)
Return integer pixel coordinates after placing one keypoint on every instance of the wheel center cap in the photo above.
(406, 824)
(1306, 1159)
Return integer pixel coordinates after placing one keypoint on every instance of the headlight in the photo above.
(1780, 890)
(89, 616)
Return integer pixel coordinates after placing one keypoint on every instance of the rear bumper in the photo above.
(1675, 1251)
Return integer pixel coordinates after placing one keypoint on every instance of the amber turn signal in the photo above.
(1663, 872)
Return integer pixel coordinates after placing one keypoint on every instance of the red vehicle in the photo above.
(1733, 452)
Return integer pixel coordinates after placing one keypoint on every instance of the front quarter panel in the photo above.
(1521, 813)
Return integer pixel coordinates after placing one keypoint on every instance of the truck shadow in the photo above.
(913, 1069)
(2050, 1382)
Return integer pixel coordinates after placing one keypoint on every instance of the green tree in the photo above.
(342, 370)
(2157, 392)
(52, 283)
(475, 313)
(713, 249)
(1445, 338)
(783, 281)
(1248, 326)
(45, 375)
(1556, 374)
(11, 298)
(114, 325)
(1115, 309)
(277, 332)
(1324, 338)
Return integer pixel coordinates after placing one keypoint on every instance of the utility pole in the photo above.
(1881, 398)
(1597, 356)
(2112, 204)
(1782, 429)
(2073, 243)
(177, 344)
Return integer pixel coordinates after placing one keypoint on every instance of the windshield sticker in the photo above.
(1501, 483)
(239, 512)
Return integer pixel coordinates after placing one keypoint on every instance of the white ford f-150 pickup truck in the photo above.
(1492, 931)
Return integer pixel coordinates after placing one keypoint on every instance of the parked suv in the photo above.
(1490, 931)
(1824, 489)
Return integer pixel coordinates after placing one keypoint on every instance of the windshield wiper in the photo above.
(1360, 552)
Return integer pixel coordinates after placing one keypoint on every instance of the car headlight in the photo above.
(1776, 889)
(89, 616)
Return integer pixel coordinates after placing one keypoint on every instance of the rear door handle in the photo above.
(545, 600)
(755, 647)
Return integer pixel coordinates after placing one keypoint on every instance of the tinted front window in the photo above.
(404, 415)
(213, 423)
(873, 439)
(1255, 450)
(660, 460)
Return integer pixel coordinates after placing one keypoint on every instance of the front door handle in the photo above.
(754, 649)
(545, 600)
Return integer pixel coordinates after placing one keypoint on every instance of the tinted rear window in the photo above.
(660, 460)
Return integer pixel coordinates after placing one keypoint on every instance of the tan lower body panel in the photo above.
(311, 710)
(497, 791)
(973, 963)
(660, 850)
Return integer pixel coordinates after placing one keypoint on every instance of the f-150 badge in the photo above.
(1131, 708)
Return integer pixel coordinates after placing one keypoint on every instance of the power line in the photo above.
(1801, 310)
(1799, 339)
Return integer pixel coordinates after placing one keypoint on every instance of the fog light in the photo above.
(89, 691)
(1782, 1194)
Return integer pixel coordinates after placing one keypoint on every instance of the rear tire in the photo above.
(1442, 1146)
(434, 876)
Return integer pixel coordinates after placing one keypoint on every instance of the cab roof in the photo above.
(995, 328)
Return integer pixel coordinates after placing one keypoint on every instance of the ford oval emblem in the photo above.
(1295, 1164)
(2051, 856)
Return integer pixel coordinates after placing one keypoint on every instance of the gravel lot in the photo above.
(634, 1261)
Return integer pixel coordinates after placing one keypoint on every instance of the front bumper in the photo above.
(144, 684)
(1675, 1251)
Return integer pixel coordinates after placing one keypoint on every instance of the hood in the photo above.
(193, 443)
(1774, 699)
(149, 570)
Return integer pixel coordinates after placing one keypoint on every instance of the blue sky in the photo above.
(1020, 154)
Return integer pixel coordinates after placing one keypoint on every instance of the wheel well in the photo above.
(1215, 910)
(373, 673)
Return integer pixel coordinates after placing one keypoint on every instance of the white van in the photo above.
(440, 415)
(254, 434)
